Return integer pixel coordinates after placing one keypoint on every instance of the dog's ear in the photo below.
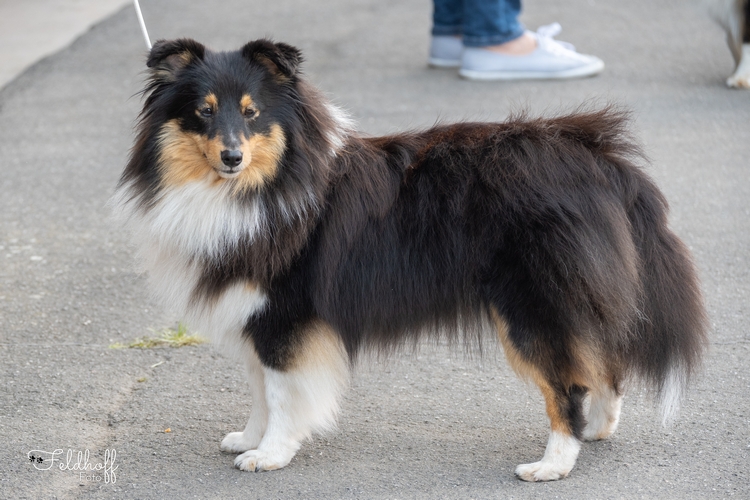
(167, 57)
(282, 60)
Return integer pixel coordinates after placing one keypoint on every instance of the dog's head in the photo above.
(220, 114)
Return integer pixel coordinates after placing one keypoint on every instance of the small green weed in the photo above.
(166, 337)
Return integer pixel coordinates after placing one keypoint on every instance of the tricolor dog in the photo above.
(270, 224)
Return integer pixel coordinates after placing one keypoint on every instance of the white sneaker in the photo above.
(445, 51)
(550, 60)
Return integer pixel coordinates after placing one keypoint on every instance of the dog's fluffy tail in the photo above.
(668, 332)
(671, 332)
(666, 321)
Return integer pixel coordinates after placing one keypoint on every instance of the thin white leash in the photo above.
(142, 23)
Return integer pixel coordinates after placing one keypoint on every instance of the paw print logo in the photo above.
(37, 460)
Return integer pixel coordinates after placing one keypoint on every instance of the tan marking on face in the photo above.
(182, 155)
(210, 101)
(212, 149)
(526, 370)
(186, 157)
(261, 154)
(246, 102)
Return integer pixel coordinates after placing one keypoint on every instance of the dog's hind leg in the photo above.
(249, 439)
(564, 409)
(604, 412)
(302, 398)
(564, 403)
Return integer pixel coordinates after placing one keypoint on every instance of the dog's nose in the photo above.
(231, 158)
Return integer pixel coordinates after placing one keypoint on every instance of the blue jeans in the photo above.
(480, 22)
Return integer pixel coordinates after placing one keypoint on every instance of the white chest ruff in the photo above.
(186, 226)
(201, 219)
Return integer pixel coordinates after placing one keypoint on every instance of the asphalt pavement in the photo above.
(32, 29)
(435, 423)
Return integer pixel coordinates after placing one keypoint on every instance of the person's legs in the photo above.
(497, 47)
(447, 27)
(486, 40)
(447, 17)
(491, 22)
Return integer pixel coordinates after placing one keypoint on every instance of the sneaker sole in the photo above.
(590, 70)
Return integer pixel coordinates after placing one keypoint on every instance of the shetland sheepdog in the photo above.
(268, 223)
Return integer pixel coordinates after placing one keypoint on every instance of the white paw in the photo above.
(592, 434)
(239, 442)
(559, 459)
(541, 471)
(741, 77)
(739, 81)
(258, 460)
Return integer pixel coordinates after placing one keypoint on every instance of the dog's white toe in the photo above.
(541, 471)
(559, 459)
(739, 81)
(258, 460)
(238, 442)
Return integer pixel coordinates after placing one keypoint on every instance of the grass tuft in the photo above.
(166, 337)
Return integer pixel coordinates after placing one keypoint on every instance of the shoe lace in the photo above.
(549, 32)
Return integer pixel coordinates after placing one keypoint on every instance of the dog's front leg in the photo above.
(249, 439)
(301, 399)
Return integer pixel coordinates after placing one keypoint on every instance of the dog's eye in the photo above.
(207, 112)
(249, 112)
